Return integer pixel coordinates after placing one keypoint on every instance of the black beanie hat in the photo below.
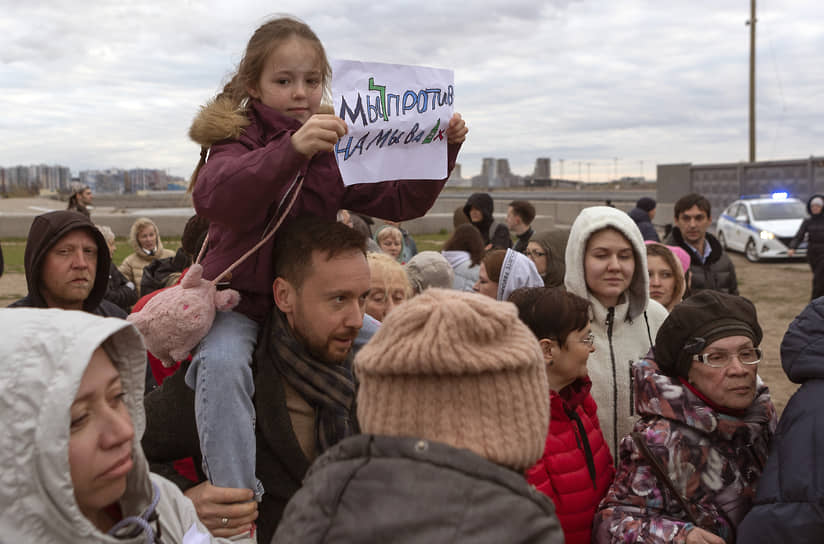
(699, 321)
(646, 203)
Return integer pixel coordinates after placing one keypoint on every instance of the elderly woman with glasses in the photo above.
(689, 470)
(576, 468)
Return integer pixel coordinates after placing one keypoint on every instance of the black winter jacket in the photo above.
(788, 504)
(492, 232)
(813, 229)
(644, 223)
(717, 273)
(119, 291)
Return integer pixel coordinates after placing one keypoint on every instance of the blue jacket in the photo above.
(789, 504)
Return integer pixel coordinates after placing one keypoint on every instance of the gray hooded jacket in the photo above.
(45, 353)
(624, 333)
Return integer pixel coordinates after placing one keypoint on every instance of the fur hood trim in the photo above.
(220, 119)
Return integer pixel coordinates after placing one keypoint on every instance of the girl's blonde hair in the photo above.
(265, 39)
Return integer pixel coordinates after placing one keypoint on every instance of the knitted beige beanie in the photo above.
(458, 368)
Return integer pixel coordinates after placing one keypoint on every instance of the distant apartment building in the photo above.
(34, 177)
(116, 180)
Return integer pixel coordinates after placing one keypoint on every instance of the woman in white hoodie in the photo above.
(71, 419)
(606, 263)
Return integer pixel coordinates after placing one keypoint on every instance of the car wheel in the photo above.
(751, 252)
(722, 240)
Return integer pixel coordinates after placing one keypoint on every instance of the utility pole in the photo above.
(642, 168)
(616, 168)
(752, 22)
(580, 177)
(589, 178)
(562, 168)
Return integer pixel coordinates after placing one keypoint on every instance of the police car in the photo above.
(762, 226)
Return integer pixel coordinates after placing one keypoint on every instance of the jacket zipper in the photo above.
(610, 319)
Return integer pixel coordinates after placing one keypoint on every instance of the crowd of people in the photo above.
(589, 384)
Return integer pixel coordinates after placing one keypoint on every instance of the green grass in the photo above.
(14, 251)
(431, 242)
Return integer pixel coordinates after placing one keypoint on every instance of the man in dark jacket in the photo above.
(478, 209)
(787, 506)
(643, 213)
(67, 265)
(519, 217)
(304, 388)
(710, 266)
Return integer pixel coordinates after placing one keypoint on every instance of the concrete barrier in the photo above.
(119, 214)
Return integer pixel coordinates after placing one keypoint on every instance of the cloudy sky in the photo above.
(99, 84)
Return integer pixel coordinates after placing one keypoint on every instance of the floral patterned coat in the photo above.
(714, 461)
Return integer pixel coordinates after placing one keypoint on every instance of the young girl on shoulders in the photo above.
(259, 138)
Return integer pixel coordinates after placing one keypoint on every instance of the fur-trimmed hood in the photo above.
(219, 119)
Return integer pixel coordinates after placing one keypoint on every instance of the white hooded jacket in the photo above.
(623, 334)
(45, 353)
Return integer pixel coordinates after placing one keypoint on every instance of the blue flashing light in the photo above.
(780, 195)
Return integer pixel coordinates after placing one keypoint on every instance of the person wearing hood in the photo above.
(390, 241)
(606, 263)
(503, 271)
(478, 209)
(813, 229)
(71, 403)
(690, 469)
(464, 251)
(643, 213)
(67, 265)
(453, 406)
(547, 250)
(787, 506)
(145, 240)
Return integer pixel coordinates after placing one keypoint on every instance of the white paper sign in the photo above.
(397, 117)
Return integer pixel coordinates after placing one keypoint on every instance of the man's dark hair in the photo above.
(523, 209)
(551, 312)
(688, 201)
(296, 243)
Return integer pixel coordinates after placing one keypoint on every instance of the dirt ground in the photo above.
(780, 290)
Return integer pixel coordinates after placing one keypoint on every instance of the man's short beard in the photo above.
(319, 353)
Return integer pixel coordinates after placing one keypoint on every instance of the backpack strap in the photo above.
(299, 182)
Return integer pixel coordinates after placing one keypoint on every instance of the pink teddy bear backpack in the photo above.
(175, 321)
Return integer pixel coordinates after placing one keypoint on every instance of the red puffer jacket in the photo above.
(576, 469)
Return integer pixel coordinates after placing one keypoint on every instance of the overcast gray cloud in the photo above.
(99, 84)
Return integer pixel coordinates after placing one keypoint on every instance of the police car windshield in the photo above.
(771, 211)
